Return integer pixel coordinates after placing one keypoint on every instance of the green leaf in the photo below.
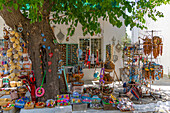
(15, 6)
(9, 10)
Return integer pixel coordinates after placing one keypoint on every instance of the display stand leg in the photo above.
(116, 76)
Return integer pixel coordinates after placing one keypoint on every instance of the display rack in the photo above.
(72, 58)
(68, 54)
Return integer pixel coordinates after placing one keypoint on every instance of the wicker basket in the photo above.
(109, 66)
(42, 106)
(7, 109)
(108, 70)
(29, 107)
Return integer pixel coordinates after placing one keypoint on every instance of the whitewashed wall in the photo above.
(1, 27)
(108, 32)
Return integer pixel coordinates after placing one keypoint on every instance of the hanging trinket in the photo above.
(113, 41)
(115, 58)
(118, 47)
(49, 70)
(44, 39)
(50, 55)
(60, 36)
(67, 39)
(20, 28)
(49, 63)
(49, 47)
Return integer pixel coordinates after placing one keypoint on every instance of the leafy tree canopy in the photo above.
(87, 12)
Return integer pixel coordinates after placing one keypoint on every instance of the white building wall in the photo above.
(108, 32)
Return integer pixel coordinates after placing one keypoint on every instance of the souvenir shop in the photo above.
(140, 69)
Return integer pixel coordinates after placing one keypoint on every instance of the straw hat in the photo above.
(14, 45)
(12, 32)
(13, 67)
(17, 41)
(16, 56)
(12, 75)
(9, 50)
(9, 54)
(18, 48)
(17, 35)
(12, 39)
(20, 53)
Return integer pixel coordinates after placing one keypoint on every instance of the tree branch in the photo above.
(13, 18)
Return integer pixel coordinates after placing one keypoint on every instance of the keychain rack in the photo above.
(132, 55)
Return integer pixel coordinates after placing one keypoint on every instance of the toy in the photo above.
(50, 103)
(40, 105)
(101, 76)
(75, 98)
(8, 107)
(96, 102)
(125, 104)
(86, 98)
(19, 103)
(63, 100)
(40, 91)
(97, 58)
(29, 105)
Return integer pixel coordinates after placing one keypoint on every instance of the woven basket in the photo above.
(30, 107)
(7, 109)
(109, 66)
(42, 106)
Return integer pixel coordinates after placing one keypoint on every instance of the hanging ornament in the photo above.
(49, 70)
(49, 47)
(42, 34)
(49, 63)
(44, 46)
(60, 36)
(20, 28)
(118, 47)
(6, 34)
(115, 58)
(113, 41)
(44, 39)
(67, 39)
(50, 54)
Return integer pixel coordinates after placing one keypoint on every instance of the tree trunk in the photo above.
(53, 84)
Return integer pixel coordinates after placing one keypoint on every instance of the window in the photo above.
(93, 43)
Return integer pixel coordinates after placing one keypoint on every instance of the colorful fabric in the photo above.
(135, 92)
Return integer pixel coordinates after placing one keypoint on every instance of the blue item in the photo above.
(42, 34)
(80, 52)
(49, 47)
(19, 103)
(96, 74)
(44, 39)
(43, 46)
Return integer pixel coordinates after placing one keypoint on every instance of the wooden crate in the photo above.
(79, 107)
